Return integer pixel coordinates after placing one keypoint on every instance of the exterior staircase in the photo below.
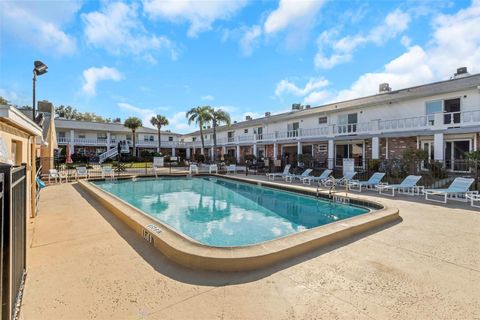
(108, 154)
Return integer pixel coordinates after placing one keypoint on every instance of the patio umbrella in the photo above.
(69, 156)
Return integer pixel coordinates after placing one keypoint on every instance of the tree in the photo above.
(201, 116)
(218, 117)
(68, 113)
(4, 101)
(159, 121)
(133, 123)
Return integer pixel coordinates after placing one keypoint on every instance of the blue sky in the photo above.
(140, 58)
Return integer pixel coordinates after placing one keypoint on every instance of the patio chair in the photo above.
(474, 199)
(356, 185)
(232, 169)
(320, 179)
(212, 168)
(81, 172)
(286, 172)
(292, 177)
(53, 174)
(407, 186)
(340, 182)
(108, 172)
(193, 169)
(457, 190)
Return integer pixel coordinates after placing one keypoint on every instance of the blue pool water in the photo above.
(224, 212)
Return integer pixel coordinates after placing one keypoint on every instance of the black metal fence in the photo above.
(13, 238)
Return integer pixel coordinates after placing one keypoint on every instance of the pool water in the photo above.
(223, 212)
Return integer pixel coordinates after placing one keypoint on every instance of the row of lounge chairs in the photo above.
(459, 189)
(80, 172)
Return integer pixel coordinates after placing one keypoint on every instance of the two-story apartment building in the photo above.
(442, 118)
(96, 138)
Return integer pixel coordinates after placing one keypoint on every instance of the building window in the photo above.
(81, 135)
(323, 147)
(170, 138)
(151, 138)
(433, 107)
(245, 131)
(194, 139)
(102, 136)
(322, 120)
(61, 134)
(129, 137)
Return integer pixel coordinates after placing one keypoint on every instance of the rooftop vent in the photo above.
(268, 114)
(461, 72)
(234, 121)
(384, 87)
(296, 106)
(248, 118)
(308, 106)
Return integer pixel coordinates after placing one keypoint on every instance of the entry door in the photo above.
(455, 154)
(428, 146)
(452, 111)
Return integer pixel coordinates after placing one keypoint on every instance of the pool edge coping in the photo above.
(192, 254)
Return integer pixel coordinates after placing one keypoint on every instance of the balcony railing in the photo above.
(437, 121)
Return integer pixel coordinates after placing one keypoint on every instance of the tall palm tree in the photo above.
(159, 121)
(133, 123)
(201, 116)
(218, 117)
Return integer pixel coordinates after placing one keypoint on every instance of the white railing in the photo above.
(315, 132)
(420, 122)
(63, 140)
(108, 154)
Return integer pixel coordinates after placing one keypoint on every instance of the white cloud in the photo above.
(394, 24)
(40, 24)
(179, 123)
(144, 113)
(93, 75)
(406, 41)
(199, 14)
(285, 86)
(208, 97)
(118, 29)
(292, 13)
(250, 39)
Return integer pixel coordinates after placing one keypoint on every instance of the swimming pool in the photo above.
(223, 212)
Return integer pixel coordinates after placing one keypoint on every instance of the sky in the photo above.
(146, 57)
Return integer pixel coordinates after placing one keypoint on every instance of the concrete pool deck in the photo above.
(83, 263)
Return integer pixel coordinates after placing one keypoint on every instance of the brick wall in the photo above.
(396, 146)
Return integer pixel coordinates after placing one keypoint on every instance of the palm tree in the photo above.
(133, 123)
(218, 117)
(159, 121)
(201, 116)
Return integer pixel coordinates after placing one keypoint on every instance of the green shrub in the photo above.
(199, 157)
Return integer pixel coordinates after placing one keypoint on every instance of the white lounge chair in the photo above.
(457, 190)
(474, 199)
(53, 174)
(285, 173)
(232, 169)
(81, 172)
(356, 185)
(213, 168)
(320, 179)
(304, 174)
(108, 172)
(340, 182)
(193, 169)
(407, 186)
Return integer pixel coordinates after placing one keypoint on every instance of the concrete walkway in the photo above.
(85, 264)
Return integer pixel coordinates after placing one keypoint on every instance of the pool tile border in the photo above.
(192, 254)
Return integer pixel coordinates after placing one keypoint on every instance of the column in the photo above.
(188, 153)
(238, 153)
(173, 151)
(331, 154)
(275, 151)
(299, 147)
(224, 151)
(438, 146)
(375, 148)
(202, 151)
(255, 150)
(108, 141)
(72, 141)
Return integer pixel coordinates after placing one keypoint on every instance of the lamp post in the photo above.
(38, 69)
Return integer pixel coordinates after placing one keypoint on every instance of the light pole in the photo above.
(38, 69)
